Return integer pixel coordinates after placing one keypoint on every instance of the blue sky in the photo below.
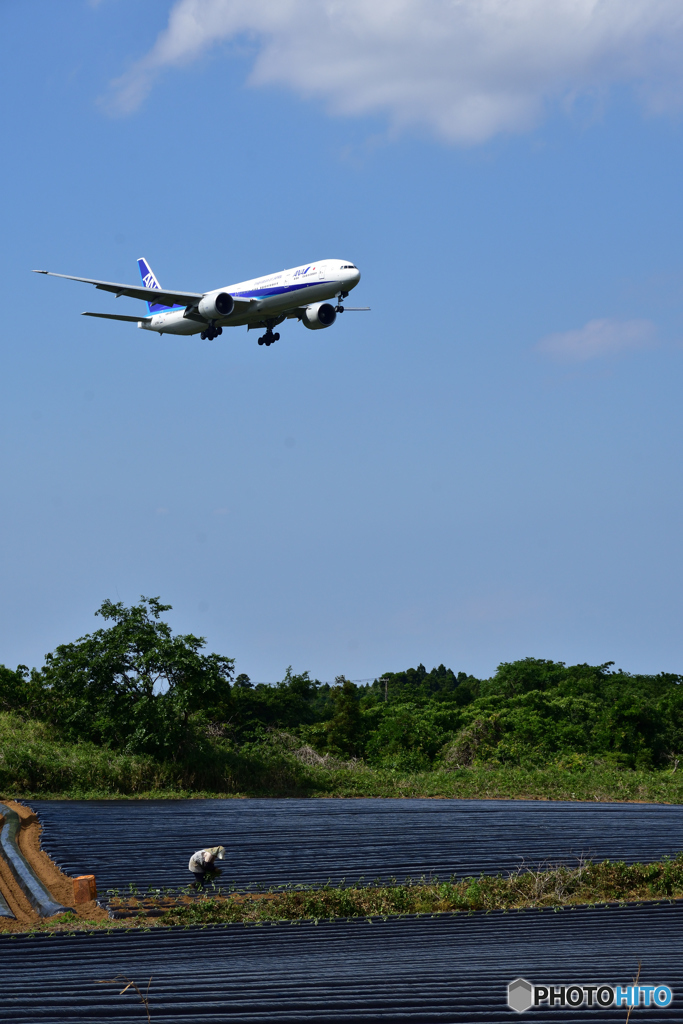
(486, 466)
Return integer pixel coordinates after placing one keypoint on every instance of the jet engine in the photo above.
(216, 305)
(319, 315)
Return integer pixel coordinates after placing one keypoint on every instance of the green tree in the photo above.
(136, 686)
(409, 734)
(344, 729)
(20, 690)
(291, 704)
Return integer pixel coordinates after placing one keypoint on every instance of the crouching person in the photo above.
(202, 863)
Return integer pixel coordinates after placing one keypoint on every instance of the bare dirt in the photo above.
(59, 884)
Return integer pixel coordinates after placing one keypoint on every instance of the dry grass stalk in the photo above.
(131, 984)
(635, 982)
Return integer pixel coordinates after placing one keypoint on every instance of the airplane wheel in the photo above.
(260, 341)
(203, 335)
(276, 337)
(219, 330)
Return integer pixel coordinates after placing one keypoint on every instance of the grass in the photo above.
(556, 887)
(36, 762)
(587, 884)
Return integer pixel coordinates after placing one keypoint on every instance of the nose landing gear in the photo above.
(210, 333)
(268, 338)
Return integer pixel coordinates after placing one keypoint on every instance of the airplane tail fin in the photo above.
(149, 280)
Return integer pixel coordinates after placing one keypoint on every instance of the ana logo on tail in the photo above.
(150, 281)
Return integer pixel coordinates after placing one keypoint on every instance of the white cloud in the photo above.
(463, 69)
(599, 338)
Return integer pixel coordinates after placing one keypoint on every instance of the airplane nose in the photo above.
(354, 276)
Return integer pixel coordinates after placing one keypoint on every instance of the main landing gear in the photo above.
(210, 333)
(269, 337)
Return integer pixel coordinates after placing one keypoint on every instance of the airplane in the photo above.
(302, 293)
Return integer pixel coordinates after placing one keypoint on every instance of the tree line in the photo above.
(134, 686)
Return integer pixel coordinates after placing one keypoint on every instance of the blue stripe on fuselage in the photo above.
(253, 294)
(280, 290)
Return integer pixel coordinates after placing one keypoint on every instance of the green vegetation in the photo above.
(587, 884)
(36, 762)
(133, 709)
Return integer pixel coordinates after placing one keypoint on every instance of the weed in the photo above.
(546, 886)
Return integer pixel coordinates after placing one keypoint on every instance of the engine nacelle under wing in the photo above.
(216, 305)
(319, 315)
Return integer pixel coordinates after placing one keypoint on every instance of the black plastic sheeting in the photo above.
(27, 880)
(275, 842)
(441, 969)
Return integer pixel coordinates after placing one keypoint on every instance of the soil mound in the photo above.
(59, 884)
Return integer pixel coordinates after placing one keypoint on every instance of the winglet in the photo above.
(40, 271)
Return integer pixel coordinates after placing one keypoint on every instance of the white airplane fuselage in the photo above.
(275, 295)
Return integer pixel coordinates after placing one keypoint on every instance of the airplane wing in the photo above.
(161, 296)
(118, 316)
(155, 295)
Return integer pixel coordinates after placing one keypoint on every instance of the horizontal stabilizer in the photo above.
(118, 316)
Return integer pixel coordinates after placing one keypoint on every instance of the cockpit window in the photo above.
(348, 266)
